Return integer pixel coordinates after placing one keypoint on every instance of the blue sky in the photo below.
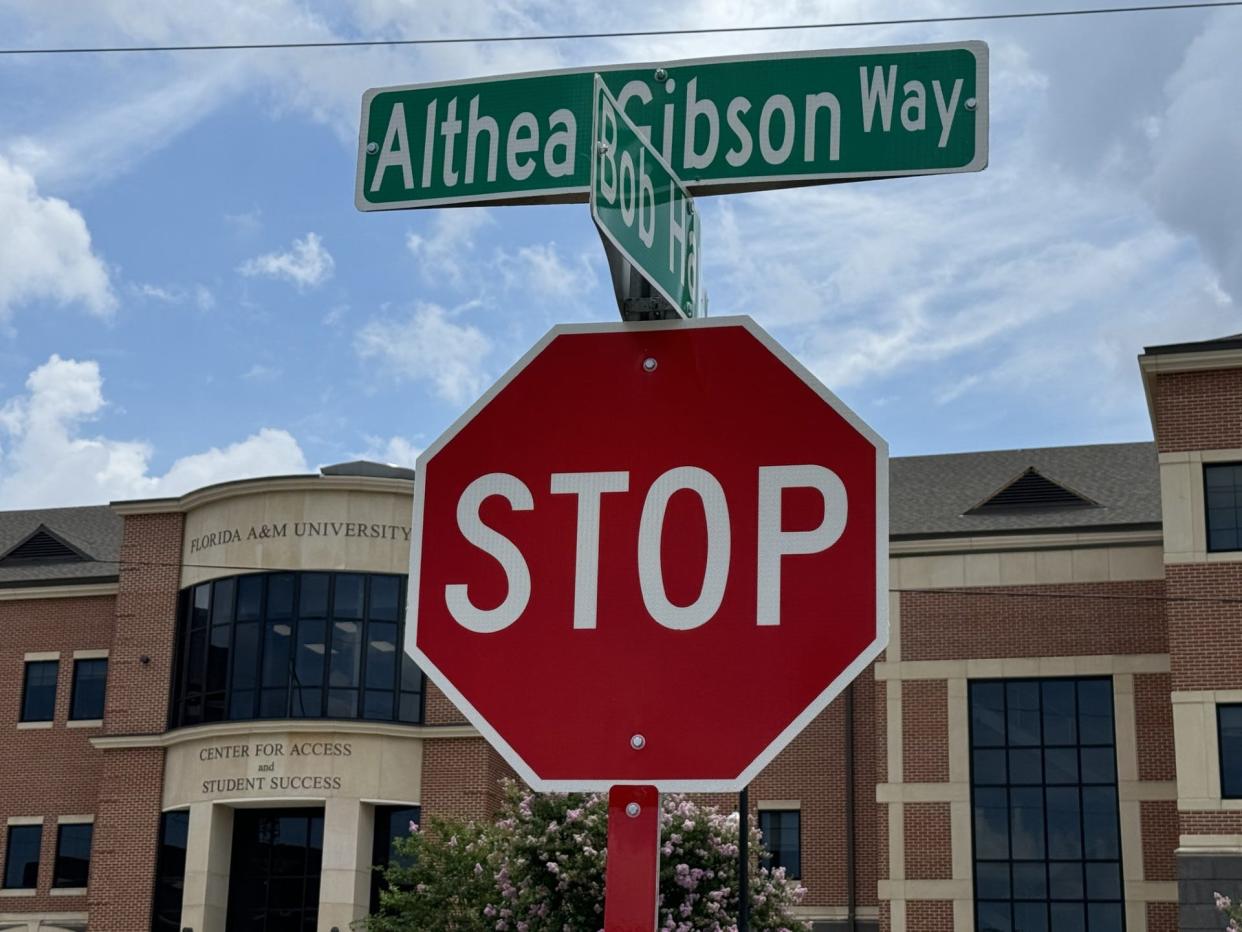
(187, 293)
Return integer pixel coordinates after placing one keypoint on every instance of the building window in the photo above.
(392, 823)
(90, 676)
(39, 690)
(73, 854)
(295, 645)
(782, 836)
(1229, 733)
(1223, 487)
(21, 857)
(170, 871)
(1044, 788)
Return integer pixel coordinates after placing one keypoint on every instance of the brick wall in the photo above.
(127, 817)
(929, 856)
(1160, 830)
(1205, 634)
(1198, 410)
(1153, 716)
(438, 709)
(54, 771)
(1161, 917)
(461, 778)
(1031, 621)
(929, 916)
(925, 731)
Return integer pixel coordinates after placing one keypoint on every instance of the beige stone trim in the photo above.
(834, 913)
(1028, 567)
(893, 730)
(25, 820)
(1155, 364)
(922, 792)
(926, 889)
(37, 655)
(897, 915)
(993, 543)
(1099, 665)
(893, 651)
(1197, 749)
(34, 726)
(224, 490)
(19, 891)
(98, 654)
(66, 591)
(1209, 844)
(1146, 791)
(781, 805)
(1184, 504)
(75, 820)
(1152, 891)
(84, 723)
(959, 731)
(964, 916)
(1213, 696)
(290, 726)
(67, 891)
(1136, 916)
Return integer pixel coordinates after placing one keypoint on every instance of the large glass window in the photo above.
(39, 690)
(295, 645)
(89, 679)
(782, 836)
(274, 874)
(73, 854)
(1044, 784)
(21, 857)
(391, 824)
(1229, 731)
(1222, 485)
(170, 871)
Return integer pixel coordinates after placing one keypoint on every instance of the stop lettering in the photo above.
(650, 554)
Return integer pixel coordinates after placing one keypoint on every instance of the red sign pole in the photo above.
(632, 878)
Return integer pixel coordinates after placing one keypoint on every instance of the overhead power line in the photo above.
(625, 34)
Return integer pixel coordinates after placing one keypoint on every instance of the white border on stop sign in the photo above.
(821, 702)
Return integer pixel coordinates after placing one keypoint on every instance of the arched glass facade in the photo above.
(294, 645)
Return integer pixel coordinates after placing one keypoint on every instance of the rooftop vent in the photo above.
(1031, 490)
(42, 546)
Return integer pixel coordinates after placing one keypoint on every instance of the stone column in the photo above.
(209, 851)
(345, 881)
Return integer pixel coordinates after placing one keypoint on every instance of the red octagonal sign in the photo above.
(651, 553)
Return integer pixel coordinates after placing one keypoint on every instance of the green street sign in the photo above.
(723, 124)
(640, 206)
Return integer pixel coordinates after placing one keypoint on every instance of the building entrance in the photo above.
(274, 876)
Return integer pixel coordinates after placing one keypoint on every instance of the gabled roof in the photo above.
(932, 496)
(1233, 341)
(93, 531)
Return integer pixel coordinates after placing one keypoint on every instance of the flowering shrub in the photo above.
(1225, 905)
(540, 868)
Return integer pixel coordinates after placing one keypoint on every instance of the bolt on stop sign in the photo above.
(650, 554)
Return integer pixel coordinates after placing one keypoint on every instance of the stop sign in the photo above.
(651, 553)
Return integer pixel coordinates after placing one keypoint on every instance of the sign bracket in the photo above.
(636, 299)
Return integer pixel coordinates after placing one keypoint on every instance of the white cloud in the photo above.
(427, 346)
(45, 249)
(261, 373)
(199, 295)
(307, 264)
(395, 451)
(448, 247)
(47, 461)
(539, 271)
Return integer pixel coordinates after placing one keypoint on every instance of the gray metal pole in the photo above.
(743, 860)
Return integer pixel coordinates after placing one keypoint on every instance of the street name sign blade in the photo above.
(641, 208)
(600, 579)
(723, 124)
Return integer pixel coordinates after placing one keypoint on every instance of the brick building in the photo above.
(209, 723)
